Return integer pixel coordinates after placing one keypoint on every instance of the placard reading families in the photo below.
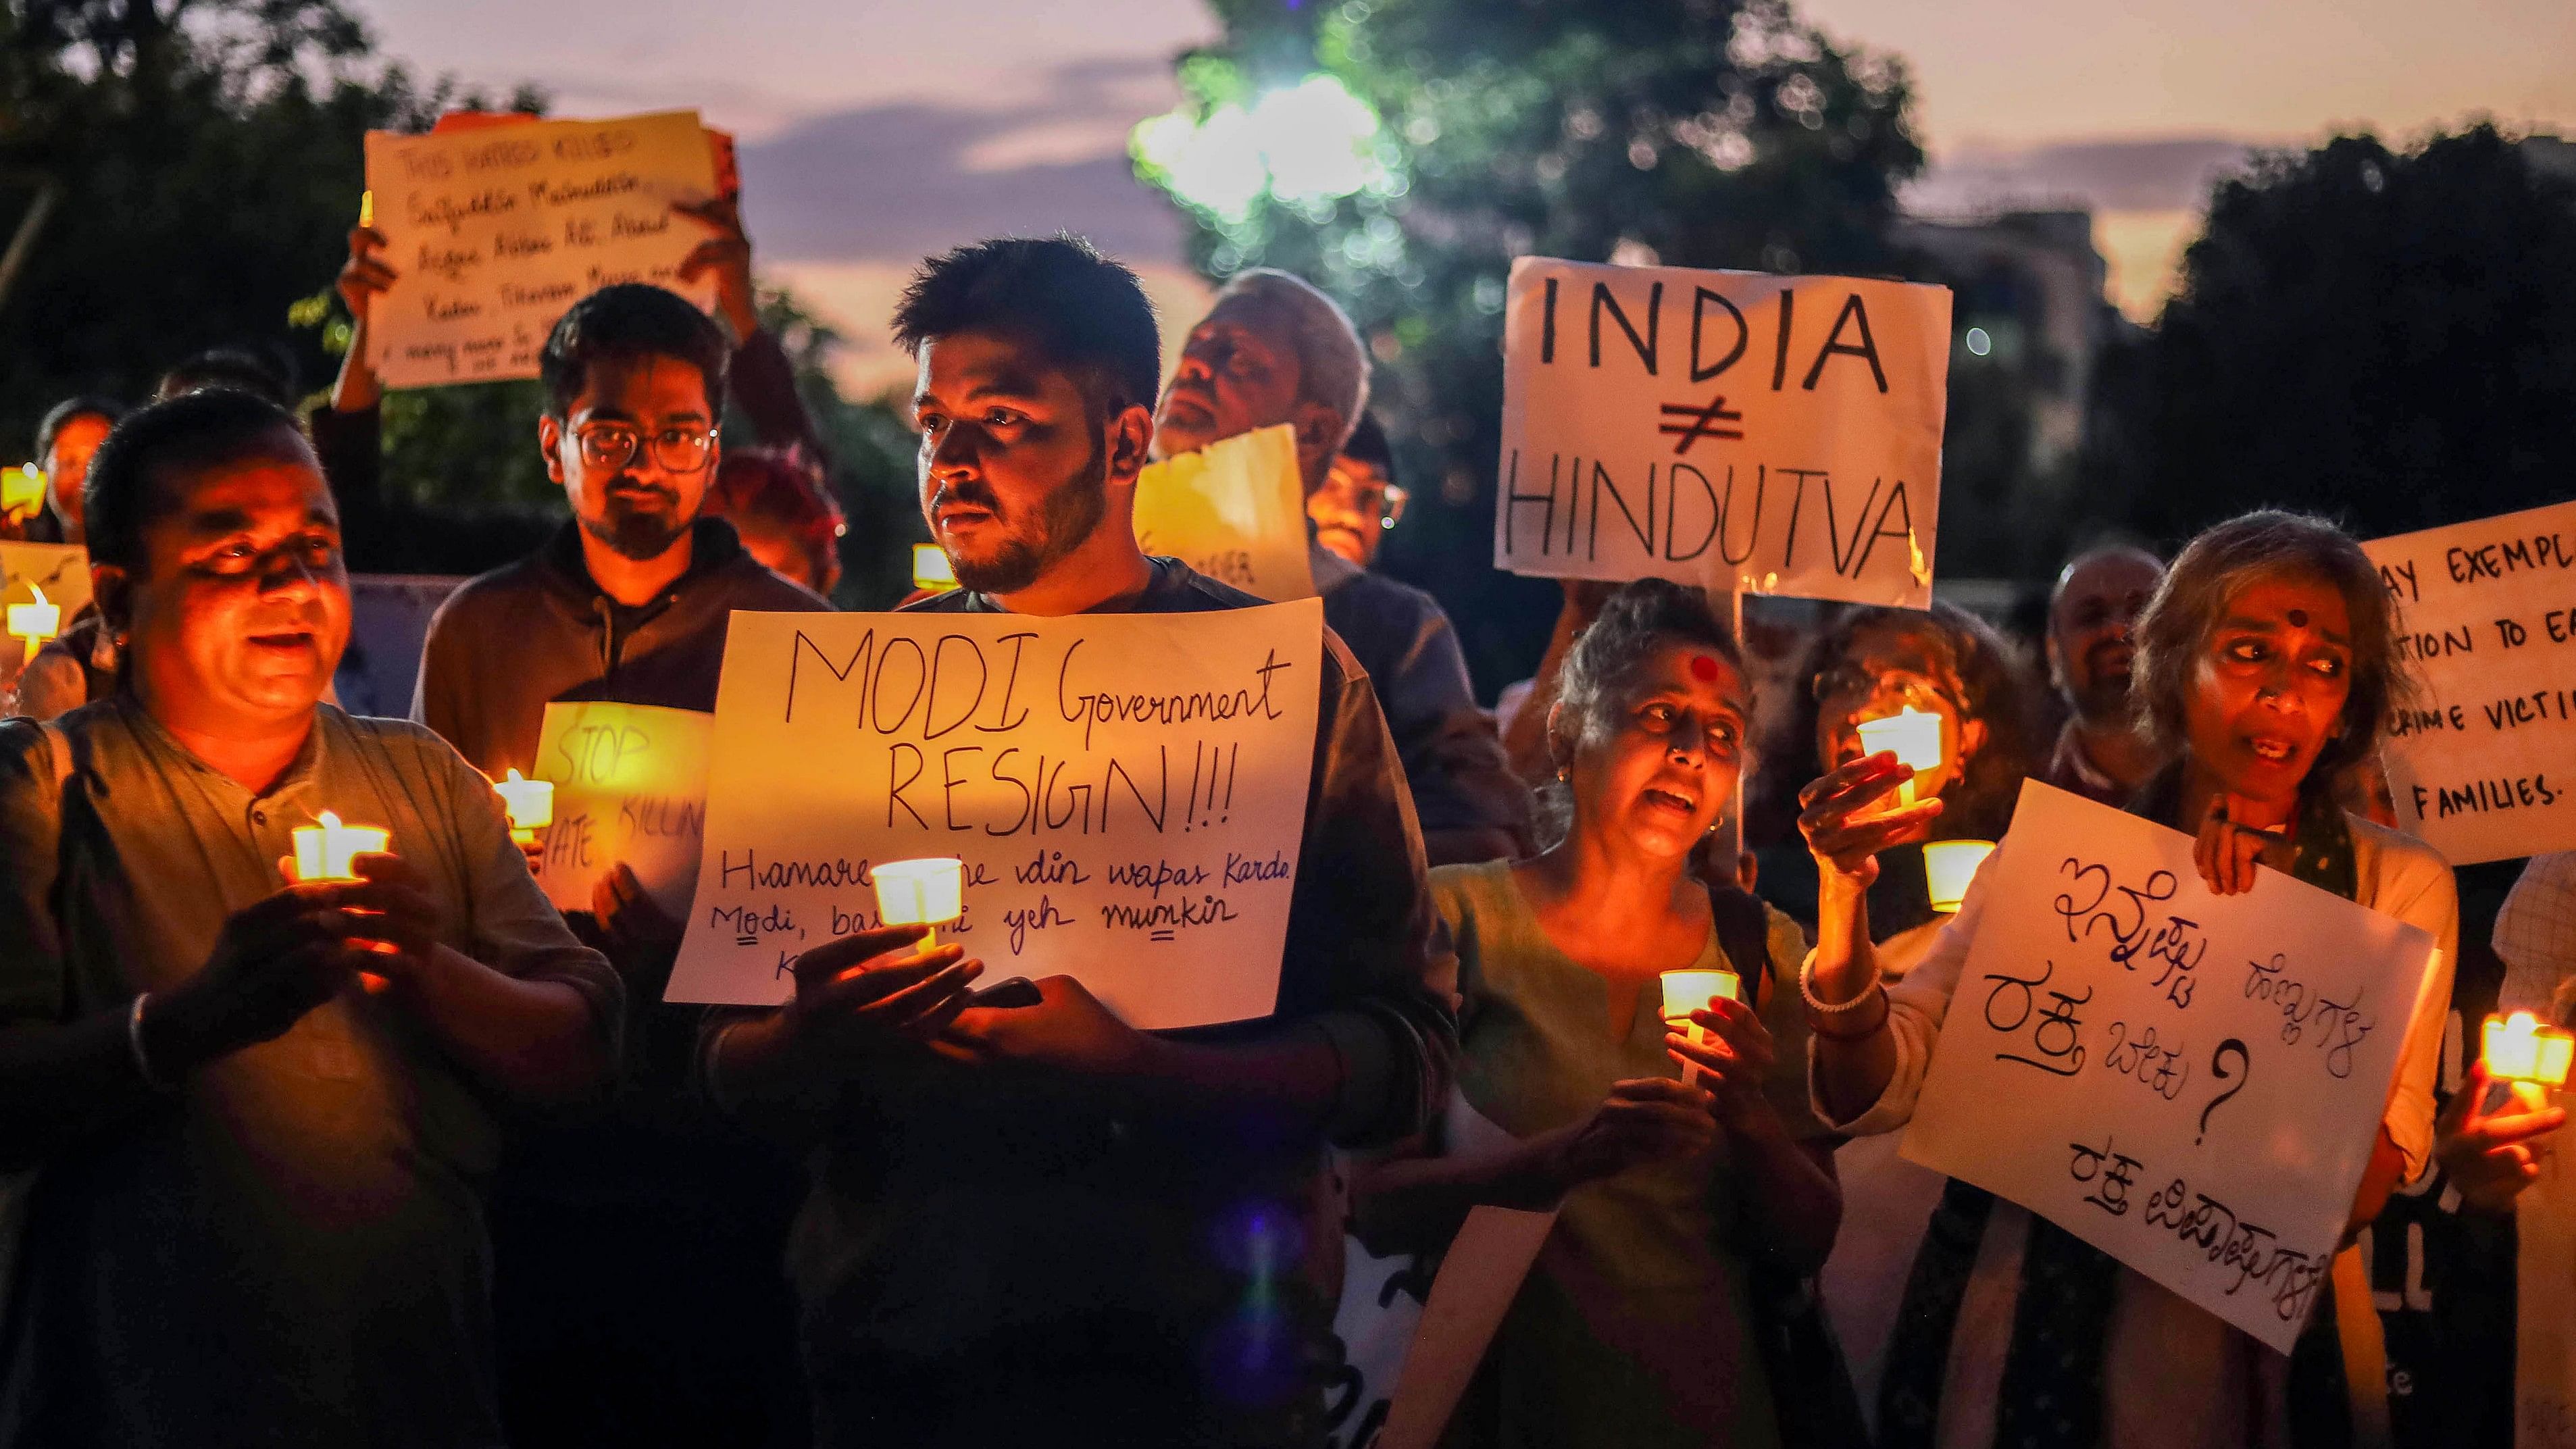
(2483, 766)
(630, 789)
(2190, 1082)
(61, 570)
(494, 232)
(1773, 435)
(1127, 791)
(1235, 511)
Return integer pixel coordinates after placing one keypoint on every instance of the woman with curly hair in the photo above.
(2266, 664)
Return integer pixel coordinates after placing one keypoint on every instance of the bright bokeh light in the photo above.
(1313, 141)
(1979, 344)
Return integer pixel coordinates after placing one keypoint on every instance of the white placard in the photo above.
(494, 232)
(2484, 766)
(1128, 792)
(630, 789)
(1772, 435)
(1235, 511)
(2192, 1083)
(60, 569)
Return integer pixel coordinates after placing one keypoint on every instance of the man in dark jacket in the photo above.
(638, 1285)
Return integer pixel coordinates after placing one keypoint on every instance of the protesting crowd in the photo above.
(416, 1154)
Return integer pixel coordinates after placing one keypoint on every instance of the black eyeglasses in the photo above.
(674, 450)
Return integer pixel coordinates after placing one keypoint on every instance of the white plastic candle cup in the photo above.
(21, 488)
(36, 622)
(1689, 991)
(531, 804)
(323, 850)
(930, 567)
(1915, 738)
(2519, 1049)
(1948, 866)
(926, 892)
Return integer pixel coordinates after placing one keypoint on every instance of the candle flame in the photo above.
(515, 778)
(330, 821)
(39, 590)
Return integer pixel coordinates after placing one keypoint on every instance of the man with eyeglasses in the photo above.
(1360, 502)
(638, 1286)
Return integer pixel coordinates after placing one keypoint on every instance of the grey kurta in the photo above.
(290, 1249)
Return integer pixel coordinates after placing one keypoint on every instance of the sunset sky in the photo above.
(876, 131)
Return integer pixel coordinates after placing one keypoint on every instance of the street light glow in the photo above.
(1313, 141)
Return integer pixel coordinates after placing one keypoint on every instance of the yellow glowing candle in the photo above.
(37, 622)
(1689, 991)
(323, 851)
(2519, 1049)
(1948, 866)
(928, 892)
(531, 804)
(21, 488)
(366, 208)
(1913, 735)
(930, 569)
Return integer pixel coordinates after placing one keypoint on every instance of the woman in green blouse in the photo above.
(1633, 1327)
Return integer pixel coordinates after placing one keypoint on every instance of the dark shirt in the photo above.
(2069, 768)
(986, 1246)
(289, 1249)
(1453, 759)
(510, 642)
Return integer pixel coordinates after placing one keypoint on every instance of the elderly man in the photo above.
(261, 1114)
(2102, 753)
(1274, 350)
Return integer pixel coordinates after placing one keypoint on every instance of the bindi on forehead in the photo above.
(2298, 618)
(1703, 668)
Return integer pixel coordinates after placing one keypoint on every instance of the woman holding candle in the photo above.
(2266, 663)
(1634, 1326)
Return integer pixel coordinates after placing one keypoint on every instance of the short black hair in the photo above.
(630, 320)
(194, 429)
(237, 369)
(1367, 444)
(87, 405)
(1086, 313)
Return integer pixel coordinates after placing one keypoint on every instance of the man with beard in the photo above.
(1275, 350)
(2102, 753)
(638, 1295)
(1036, 1224)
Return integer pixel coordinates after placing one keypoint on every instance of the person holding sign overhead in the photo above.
(1275, 350)
(261, 1115)
(1638, 1326)
(1036, 1223)
(2266, 663)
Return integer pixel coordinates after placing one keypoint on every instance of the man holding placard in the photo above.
(1274, 351)
(1038, 1223)
(263, 1114)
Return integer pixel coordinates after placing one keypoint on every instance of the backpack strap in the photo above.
(1743, 926)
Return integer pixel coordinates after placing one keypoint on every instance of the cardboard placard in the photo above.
(2483, 767)
(1737, 430)
(2192, 1083)
(494, 232)
(1128, 792)
(1235, 511)
(630, 789)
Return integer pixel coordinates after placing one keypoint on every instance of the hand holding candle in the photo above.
(1913, 736)
(1689, 991)
(2534, 1058)
(927, 892)
(323, 850)
(531, 804)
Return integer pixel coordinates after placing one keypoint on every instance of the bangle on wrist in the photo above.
(134, 1044)
(1816, 1027)
(1807, 992)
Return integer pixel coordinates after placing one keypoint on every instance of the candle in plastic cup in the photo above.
(1913, 735)
(927, 892)
(323, 851)
(1689, 991)
(930, 568)
(21, 488)
(37, 622)
(531, 804)
(2519, 1049)
(1948, 866)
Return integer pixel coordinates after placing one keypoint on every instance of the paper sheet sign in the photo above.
(2483, 767)
(2191, 1083)
(1235, 511)
(630, 788)
(1773, 435)
(494, 232)
(60, 569)
(1128, 792)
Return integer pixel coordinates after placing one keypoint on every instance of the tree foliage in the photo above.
(1717, 133)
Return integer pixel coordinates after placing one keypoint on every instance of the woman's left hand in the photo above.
(1732, 1063)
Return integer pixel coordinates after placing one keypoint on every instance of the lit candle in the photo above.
(930, 568)
(928, 892)
(366, 208)
(323, 851)
(21, 488)
(35, 623)
(531, 804)
(2519, 1049)
(1948, 866)
(1689, 991)
(1913, 735)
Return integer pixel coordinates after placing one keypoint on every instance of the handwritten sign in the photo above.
(2191, 1083)
(60, 569)
(493, 233)
(1235, 511)
(1128, 793)
(630, 788)
(2483, 767)
(1772, 435)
